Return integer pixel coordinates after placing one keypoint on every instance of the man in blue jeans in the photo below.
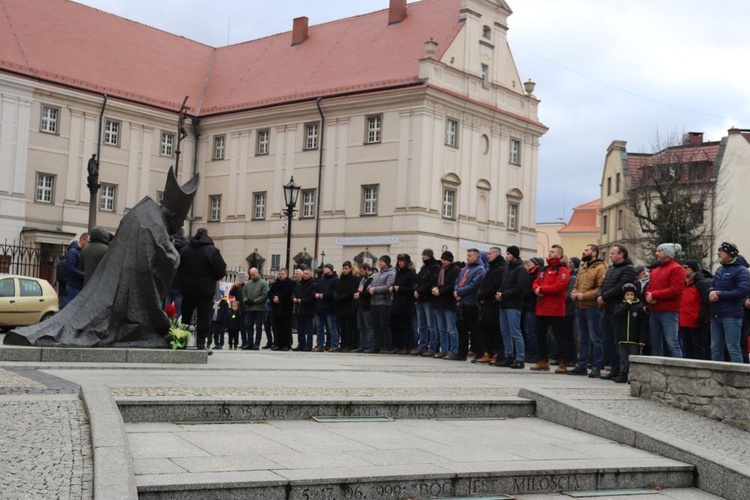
(588, 315)
(510, 295)
(427, 341)
(730, 287)
(664, 297)
(326, 315)
(255, 295)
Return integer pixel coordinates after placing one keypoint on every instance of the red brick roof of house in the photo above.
(70, 44)
(584, 218)
(705, 152)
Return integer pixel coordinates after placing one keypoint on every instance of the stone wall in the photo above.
(720, 391)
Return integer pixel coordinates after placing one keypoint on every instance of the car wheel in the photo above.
(47, 316)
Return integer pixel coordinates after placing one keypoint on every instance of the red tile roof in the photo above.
(705, 152)
(71, 44)
(583, 219)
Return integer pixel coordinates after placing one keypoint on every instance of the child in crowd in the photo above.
(219, 321)
(632, 329)
(234, 323)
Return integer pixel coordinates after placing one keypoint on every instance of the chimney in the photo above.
(734, 131)
(695, 138)
(299, 32)
(397, 11)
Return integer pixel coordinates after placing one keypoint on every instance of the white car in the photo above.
(25, 301)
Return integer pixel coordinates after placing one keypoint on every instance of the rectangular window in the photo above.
(259, 202)
(374, 129)
(311, 136)
(112, 133)
(45, 185)
(49, 119)
(485, 75)
(275, 262)
(219, 147)
(214, 204)
(698, 210)
(515, 151)
(308, 204)
(617, 183)
(264, 141)
(167, 144)
(370, 200)
(449, 200)
(620, 219)
(451, 133)
(609, 186)
(513, 216)
(605, 223)
(107, 197)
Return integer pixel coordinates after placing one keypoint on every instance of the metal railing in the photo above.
(33, 261)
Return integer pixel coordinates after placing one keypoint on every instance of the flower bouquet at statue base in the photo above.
(180, 335)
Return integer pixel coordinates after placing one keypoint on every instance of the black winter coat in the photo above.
(529, 297)
(283, 289)
(611, 289)
(446, 300)
(327, 286)
(516, 281)
(427, 279)
(305, 291)
(343, 294)
(403, 300)
(489, 307)
(201, 266)
(631, 323)
(364, 296)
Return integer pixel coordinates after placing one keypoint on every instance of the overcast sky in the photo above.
(605, 70)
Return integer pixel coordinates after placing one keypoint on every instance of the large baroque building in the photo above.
(406, 128)
(713, 172)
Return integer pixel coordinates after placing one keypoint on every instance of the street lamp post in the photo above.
(291, 192)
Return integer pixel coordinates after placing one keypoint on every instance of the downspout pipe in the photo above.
(196, 122)
(93, 170)
(320, 179)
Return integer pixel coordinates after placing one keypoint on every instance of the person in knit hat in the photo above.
(664, 296)
(730, 287)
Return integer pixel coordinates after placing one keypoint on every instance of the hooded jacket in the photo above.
(732, 281)
(382, 283)
(590, 278)
(666, 286)
(406, 281)
(694, 302)
(201, 266)
(611, 289)
(74, 275)
(552, 283)
(631, 323)
(514, 285)
(94, 252)
(467, 285)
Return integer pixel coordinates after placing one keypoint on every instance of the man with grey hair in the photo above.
(254, 296)
(664, 296)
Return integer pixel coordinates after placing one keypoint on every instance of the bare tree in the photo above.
(672, 198)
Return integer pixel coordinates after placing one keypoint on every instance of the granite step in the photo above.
(400, 459)
(248, 410)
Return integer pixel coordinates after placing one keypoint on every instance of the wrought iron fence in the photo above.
(33, 261)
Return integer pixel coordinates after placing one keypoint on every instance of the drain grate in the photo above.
(607, 493)
(328, 420)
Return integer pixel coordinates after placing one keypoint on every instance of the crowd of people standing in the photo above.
(583, 315)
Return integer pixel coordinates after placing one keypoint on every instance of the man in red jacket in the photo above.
(550, 287)
(663, 295)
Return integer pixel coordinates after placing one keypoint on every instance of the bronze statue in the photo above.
(121, 306)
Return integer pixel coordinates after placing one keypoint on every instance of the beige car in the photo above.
(25, 301)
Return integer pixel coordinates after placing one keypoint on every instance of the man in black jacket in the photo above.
(346, 316)
(280, 293)
(511, 295)
(489, 307)
(201, 266)
(427, 338)
(610, 294)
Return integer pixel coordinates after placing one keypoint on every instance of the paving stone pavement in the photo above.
(45, 449)
(43, 418)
